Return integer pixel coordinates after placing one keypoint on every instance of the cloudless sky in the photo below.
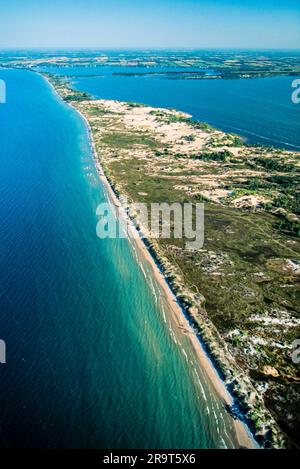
(150, 23)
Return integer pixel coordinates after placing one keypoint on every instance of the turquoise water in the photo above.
(92, 358)
(261, 110)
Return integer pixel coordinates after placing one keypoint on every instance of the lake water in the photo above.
(92, 358)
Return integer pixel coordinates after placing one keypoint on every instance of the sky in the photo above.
(264, 24)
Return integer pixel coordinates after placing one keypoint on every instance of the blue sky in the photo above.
(150, 23)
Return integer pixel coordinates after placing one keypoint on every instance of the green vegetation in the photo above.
(285, 182)
(77, 96)
(255, 183)
(237, 141)
(226, 64)
(205, 156)
(270, 164)
(201, 125)
(169, 118)
(128, 140)
(97, 112)
(133, 105)
(212, 156)
(291, 203)
(189, 138)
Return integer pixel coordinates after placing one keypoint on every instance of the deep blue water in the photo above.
(91, 359)
(261, 110)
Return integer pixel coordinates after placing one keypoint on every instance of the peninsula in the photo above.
(240, 290)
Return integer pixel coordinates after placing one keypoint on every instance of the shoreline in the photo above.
(248, 405)
(243, 433)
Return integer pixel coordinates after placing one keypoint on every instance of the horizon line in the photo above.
(145, 48)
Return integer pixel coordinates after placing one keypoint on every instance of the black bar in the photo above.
(143, 458)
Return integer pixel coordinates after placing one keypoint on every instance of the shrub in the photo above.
(213, 156)
(270, 164)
